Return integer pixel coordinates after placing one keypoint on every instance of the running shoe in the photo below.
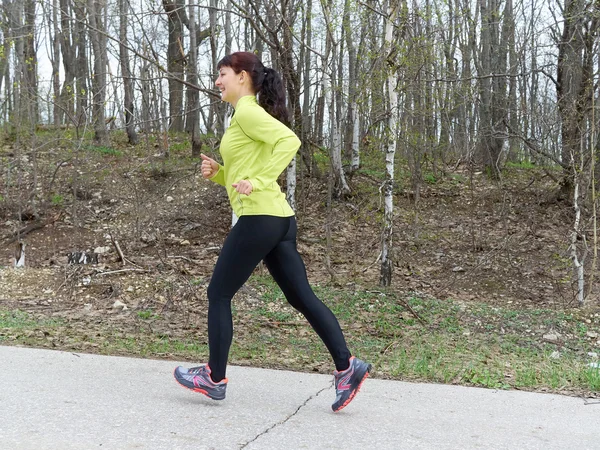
(198, 380)
(348, 382)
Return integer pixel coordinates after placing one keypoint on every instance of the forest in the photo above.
(401, 94)
(445, 188)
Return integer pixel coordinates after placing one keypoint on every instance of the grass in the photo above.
(16, 325)
(147, 314)
(20, 320)
(478, 345)
(409, 338)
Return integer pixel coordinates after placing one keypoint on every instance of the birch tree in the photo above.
(352, 120)
(390, 148)
(54, 55)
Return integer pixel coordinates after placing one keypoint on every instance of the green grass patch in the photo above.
(22, 327)
(405, 337)
(147, 314)
(15, 319)
(57, 200)
(478, 345)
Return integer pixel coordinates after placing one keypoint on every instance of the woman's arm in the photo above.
(259, 125)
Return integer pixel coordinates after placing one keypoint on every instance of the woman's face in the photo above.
(229, 85)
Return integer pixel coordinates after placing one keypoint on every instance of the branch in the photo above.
(494, 75)
(534, 147)
(549, 75)
(154, 62)
(244, 14)
(380, 13)
(9, 239)
(172, 8)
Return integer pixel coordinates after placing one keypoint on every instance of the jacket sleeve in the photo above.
(259, 125)
(219, 177)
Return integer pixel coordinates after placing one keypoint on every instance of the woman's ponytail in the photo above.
(271, 96)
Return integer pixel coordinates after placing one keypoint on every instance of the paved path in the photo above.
(60, 401)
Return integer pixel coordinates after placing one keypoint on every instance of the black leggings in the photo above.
(272, 239)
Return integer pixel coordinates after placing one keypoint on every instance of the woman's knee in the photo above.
(214, 293)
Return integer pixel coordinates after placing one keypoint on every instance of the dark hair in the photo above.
(266, 82)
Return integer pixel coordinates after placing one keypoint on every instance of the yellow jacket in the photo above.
(256, 147)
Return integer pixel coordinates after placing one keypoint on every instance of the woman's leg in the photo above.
(248, 242)
(287, 268)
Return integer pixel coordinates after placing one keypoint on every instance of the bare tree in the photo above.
(177, 57)
(81, 93)
(331, 88)
(192, 120)
(216, 116)
(68, 47)
(29, 90)
(575, 79)
(175, 61)
(492, 63)
(97, 31)
(21, 19)
(128, 100)
(305, 60)
(352, 119)
(385, 278)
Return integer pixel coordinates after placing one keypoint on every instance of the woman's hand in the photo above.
(209, 166)
(243, 187)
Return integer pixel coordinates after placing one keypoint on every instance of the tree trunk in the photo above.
(30, 83)
(216, 123)
(145, 94)
(492, 89)
(330, 88)
(192, 117)
(385, 278)
(352, 123)
(68, 42)
(97, 32)
(514, 146)
(575, 83)
(126, 72)
(55, 57)
(81, 66)
(306, 131)
(16, 24)
(292, 84)
(175, 62)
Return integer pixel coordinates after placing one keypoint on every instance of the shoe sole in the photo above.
(196, 389)
(353, 394)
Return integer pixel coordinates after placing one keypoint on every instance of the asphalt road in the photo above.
(61, 400)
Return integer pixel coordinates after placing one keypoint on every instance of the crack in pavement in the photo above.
(282, 422)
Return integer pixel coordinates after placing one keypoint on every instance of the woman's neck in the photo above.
(243, 93)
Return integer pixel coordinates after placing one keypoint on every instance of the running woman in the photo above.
(256, 149)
